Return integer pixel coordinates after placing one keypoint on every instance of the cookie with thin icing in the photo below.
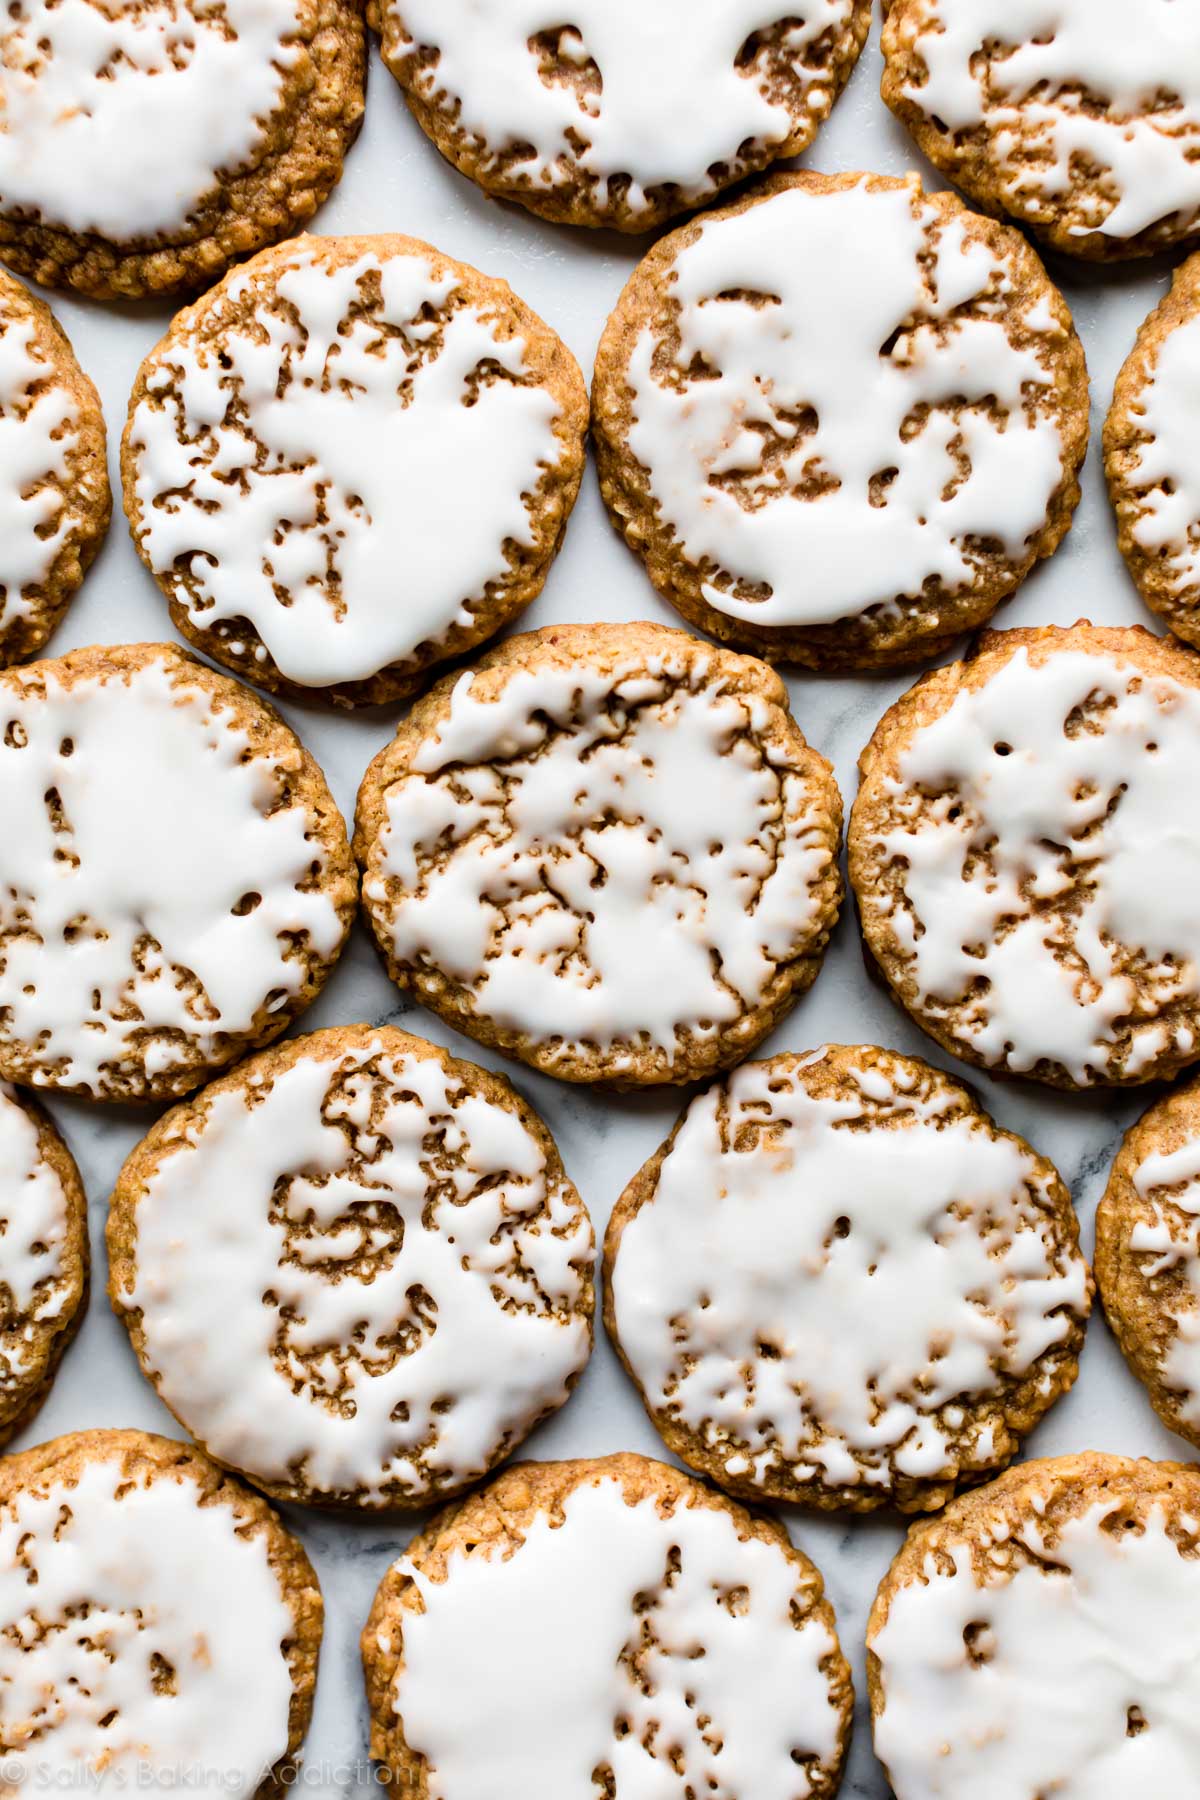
(1148, 1255)
(606, 850)
(54, 497)
(405, 1269)
(156, 1621)
(147, 144)
(846, 1183)
(1075, 117)
(43, 1256)
(1039, 1638)
(1024, 854)
(668, 1641)
(1152, 460)
(614, 113)
(175, 881)
(840, 420)
(408, 442)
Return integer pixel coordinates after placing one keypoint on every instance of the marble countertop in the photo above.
(395, 181)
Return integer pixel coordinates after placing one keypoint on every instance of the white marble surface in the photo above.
(395, 181)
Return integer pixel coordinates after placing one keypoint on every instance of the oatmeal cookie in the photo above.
(1152, 457)
(608, 112)
(841, 420)
(618, 1627)
(55, 502)
(845, 1184)
(43, 1256)
(407, 439)
(175, 881)
(156, 1621)
(1080, 118)
(1039, 1638)
(147, 144)
(1025, 858)
(606, 850)
(403, 1268)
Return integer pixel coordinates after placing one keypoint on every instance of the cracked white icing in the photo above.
(1060, 84)
(555, 1654)
(546, 850)
(671, 103)
(339, 455)
(1046, 869)
(1077, 1674)
(830, 1287)
(1165, 477)
(1170, 1181)
(119, 118)
(400, 1277)
(38, 421)
(857, 404)
(127, 930)
(137, 1625)
(33, 1230)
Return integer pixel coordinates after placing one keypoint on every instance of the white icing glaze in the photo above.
(673, 102)
(125, 1585)
(582, 893)
(119, 117)
(1172, 1242)
(33, 1230)
(779, 1216)
(399, 1279)
(1003, 811)
(1024, 68)
(1168, 464)
(315, 485)
(549, 1647)
(38, 420)
(1070, 1652)
(107, 906)
(766, 433)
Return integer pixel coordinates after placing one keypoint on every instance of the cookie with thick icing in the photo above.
(147, 144)
(617, 1626)
(845, 1184)
(352, 460)
(1024, 854)
(157, 1622)
(1039, 1638)
(1148, 1255)
(1152, 457)
(175, 881)
(43, 1256)
(606, 850)
(1079, 118)
(54, 497)
(840, 420)
(404, 1269)
(616, 113)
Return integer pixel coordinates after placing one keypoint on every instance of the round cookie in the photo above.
(404, 1269)
(353, 459)
(1152, 460)
(43, 1256)
(175, 1626)
(1039, 1638)
(1024, 856)
(619, 114)
(1148, 1255)
(846, 1185)
(1080, 118)
(147, 144)
(619, 1627)
(175, 881)
(840, 420)
(54, 498)
(537, 869)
